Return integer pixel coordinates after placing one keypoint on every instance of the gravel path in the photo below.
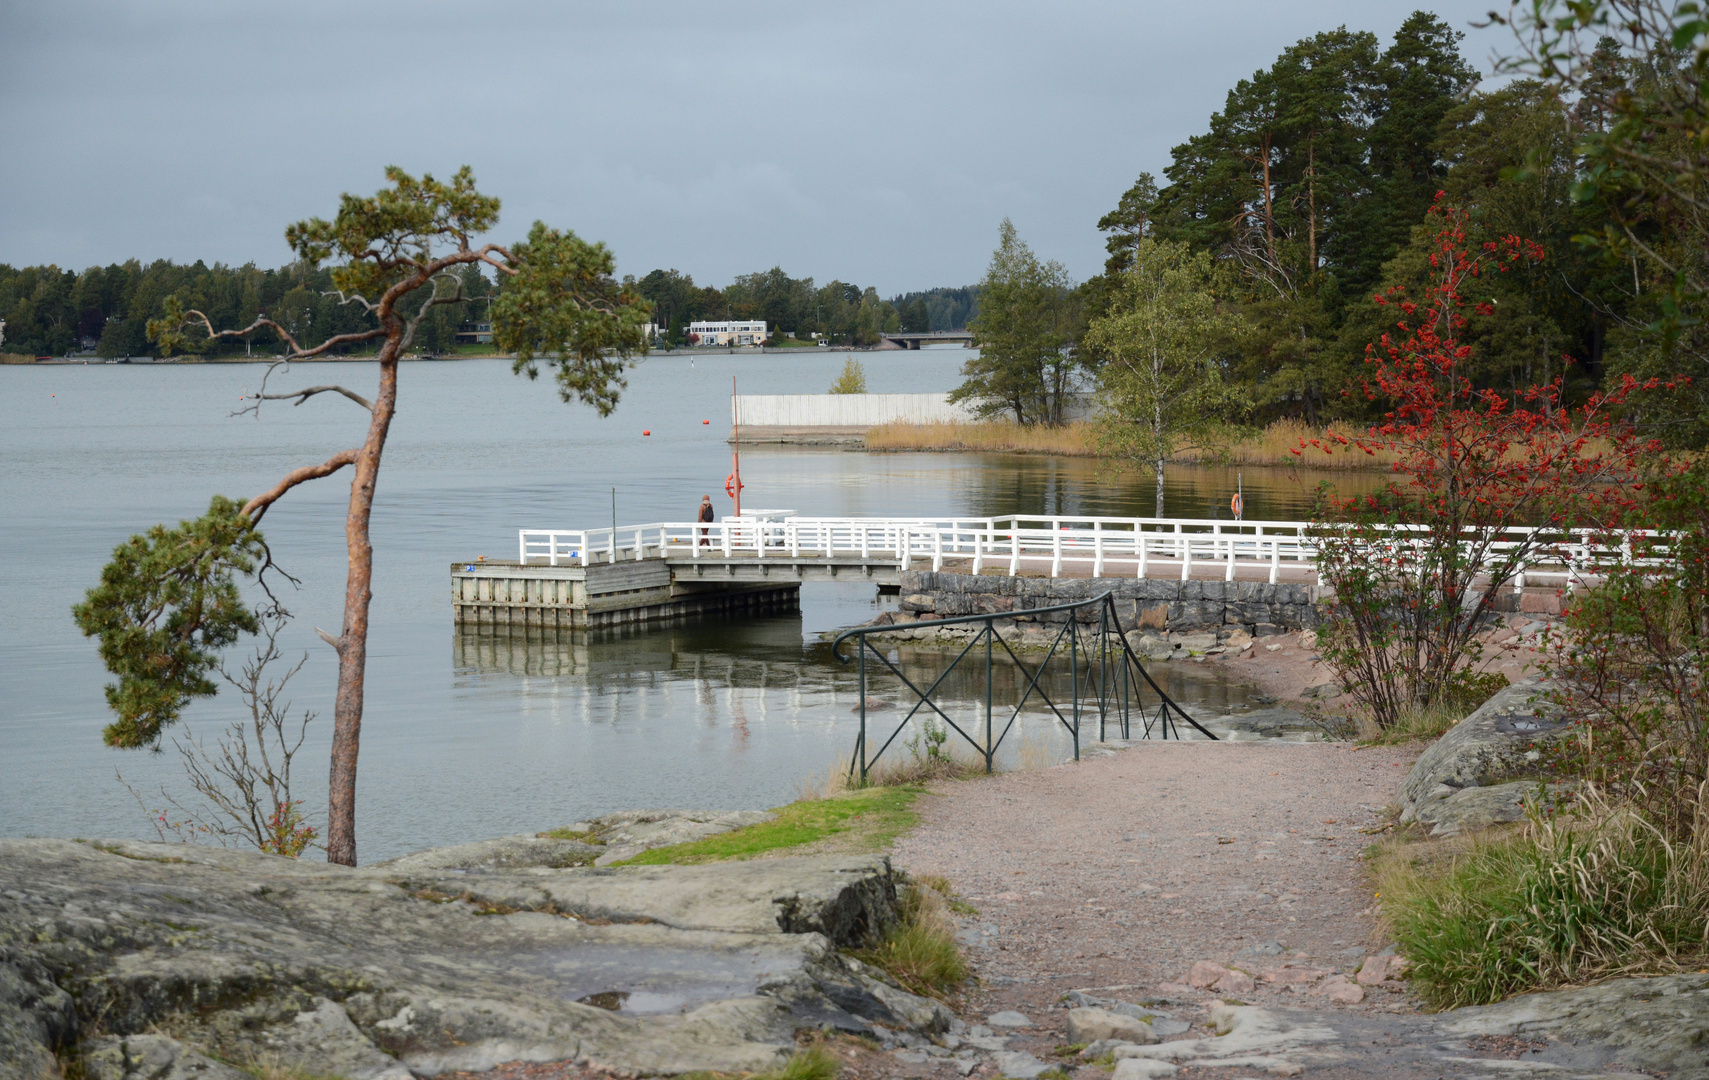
(1126, 869)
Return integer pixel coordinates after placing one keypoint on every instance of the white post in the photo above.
(1140, 547)
(1186, 548)
(1055, 548)
(724, 531)
(907, 546)
(937, 549)
(794, 533)
(1014, 547)
(979, 545)
(1232, 537)
(864, 553)
(1097, 548)
(522, 547)
(1275, 556)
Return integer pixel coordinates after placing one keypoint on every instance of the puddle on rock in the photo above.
(639, 979)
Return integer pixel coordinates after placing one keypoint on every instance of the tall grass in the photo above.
(995, 436)
(1034, 752)
(1274, 445)
(1572, 900)
(920, 952)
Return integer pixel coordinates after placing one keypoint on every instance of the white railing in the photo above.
(1100, 546)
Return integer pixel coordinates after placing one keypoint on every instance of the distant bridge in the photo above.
(929, 337)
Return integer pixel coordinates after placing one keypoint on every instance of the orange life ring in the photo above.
(731, 487)
(1237, 504)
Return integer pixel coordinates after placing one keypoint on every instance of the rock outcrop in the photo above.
(1474, 775)
(166, 959)
(1658, 1024)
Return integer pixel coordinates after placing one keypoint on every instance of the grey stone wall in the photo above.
(1257, 606)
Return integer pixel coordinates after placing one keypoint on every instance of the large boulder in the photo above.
(1499, 743)
(1448, 810)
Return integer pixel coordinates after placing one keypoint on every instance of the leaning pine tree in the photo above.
(169, 599)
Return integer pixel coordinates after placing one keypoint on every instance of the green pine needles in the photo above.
(167, 603)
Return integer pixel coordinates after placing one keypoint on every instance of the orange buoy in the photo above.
(706, 421)
(645, 432)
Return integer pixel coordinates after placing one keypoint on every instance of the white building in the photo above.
(726, 333)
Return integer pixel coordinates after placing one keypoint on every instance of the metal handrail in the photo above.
(1115, 696)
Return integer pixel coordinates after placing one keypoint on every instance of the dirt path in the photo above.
(1117, 875)
(1127, 869)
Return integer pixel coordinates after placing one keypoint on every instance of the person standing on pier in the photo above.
(705, 515)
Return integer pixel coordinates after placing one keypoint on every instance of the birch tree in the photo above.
(1161, 381)
(170, 593)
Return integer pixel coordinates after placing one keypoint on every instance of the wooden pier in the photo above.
(584, 578)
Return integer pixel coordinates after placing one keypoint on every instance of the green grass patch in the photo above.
(864, 820)
(586, 836)
(1557, 903)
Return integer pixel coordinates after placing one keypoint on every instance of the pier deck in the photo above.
(637, 573)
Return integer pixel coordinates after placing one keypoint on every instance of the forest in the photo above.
(1317, 192)
(54, 312)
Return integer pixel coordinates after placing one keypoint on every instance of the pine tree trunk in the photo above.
(353, 642)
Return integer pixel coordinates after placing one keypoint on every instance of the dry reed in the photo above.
(1273, 446)
(991, 436)
(1034, 752)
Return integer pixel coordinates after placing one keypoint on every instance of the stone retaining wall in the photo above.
(1258, 607)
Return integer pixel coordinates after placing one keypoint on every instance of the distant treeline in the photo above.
(846, 314)
(49, 311)
(52, 312)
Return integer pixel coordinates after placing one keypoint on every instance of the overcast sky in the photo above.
(878, 143)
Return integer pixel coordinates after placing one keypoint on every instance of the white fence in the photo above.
(1101, 546)
(845, 410)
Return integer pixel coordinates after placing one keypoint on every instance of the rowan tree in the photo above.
(1417, 565)
(168, 599)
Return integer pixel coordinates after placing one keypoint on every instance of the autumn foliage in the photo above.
(1417, 565)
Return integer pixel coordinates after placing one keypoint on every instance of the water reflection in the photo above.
(979, 485)
(729, 686)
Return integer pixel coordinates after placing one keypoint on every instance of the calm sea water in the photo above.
(467, 737)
